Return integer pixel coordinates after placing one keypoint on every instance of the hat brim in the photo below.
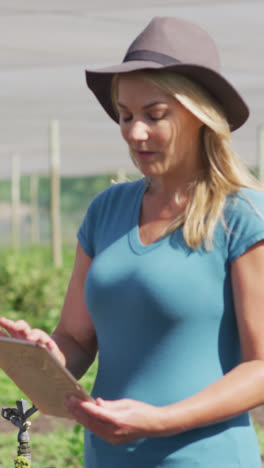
(235, 108)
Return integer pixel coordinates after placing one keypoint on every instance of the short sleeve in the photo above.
(86, 232)
(244, 215)
(96, 219)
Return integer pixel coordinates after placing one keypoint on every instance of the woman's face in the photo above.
(162, 135)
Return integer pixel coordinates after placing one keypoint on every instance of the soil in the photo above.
(40, 424)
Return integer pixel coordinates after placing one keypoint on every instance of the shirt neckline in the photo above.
(134, 239)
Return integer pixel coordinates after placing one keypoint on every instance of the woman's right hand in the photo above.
(21, 330)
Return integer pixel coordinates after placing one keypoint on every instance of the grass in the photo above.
(37, 296)
(50, 449)
(260, 435)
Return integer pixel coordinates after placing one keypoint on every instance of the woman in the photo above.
(171, 268)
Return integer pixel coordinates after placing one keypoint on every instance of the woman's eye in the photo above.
(128, 117)
(125, 118)
(156, 117)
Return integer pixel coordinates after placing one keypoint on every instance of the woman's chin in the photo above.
(149, 170)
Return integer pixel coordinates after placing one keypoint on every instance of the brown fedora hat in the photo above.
(175, 44)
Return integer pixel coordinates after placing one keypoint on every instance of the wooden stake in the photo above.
(121, 176)
(34, 181)
(15, 182)
(260, 149)
(55, 192)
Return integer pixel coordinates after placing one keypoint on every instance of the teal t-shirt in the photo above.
(166, 327)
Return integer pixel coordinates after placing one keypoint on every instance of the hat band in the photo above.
(150, 56)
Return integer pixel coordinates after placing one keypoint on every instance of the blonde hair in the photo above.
(223, 173)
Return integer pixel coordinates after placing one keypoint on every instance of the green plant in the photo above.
(22, 462)
(76, 443)
(31, 288)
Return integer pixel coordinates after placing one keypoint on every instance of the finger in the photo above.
(97, 427)
(105, 429)
(6, 323)
(100, 402)
(12, 324)
(73, 405)
(79, 407)
(20, 329)
(39, 336)
(17, 329)
(113, 404)
(3, 331)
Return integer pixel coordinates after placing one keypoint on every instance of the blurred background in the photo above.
(45, 48)
(58, 149)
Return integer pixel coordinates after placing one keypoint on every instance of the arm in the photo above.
(75, 333)
(74, 340)
(239, 390)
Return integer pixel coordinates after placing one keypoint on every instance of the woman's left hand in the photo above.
(119, 421)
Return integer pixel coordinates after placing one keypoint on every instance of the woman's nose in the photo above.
(138, 131)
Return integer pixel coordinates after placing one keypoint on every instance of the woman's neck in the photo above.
(170, 193)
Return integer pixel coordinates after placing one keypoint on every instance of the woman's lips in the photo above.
(144, 154)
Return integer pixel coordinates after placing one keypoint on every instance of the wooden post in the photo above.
(55, 192)
(121, 176)
(15, 183)
(34, 180)
(260, 149)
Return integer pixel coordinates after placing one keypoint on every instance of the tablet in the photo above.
(40, 375)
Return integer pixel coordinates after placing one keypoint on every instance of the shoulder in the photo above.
(108, 211)
(112, 201)
(247, 201)
(118, 192)
(244, 219)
